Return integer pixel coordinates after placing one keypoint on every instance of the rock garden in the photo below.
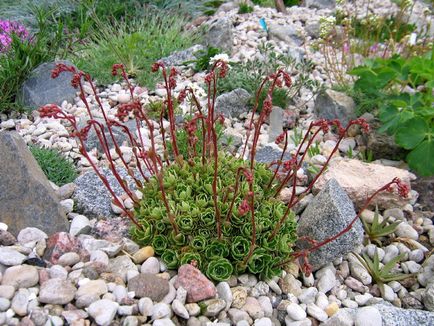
(216, 162)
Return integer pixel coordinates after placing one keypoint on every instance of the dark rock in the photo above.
(269, 154)
(7, 238)
(425, 188)
(26, 196)
(149, 285)
(220, 34)
(410, 302)
(335, 105)
(328, 214)
(197, 285)
(233, 103)
(383, 146)
(320, 4)
(40, 89)
(92, 198)
(179, 58)
(35, 261)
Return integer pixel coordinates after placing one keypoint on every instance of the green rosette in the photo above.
(159, 243)
(185, 223)
(160, 226)
(207, 218)
(271, 270)
(259, 260)
(219, 269)
(217, 249)
(170, 258)
(246, 230)
(144, 235)
(188, 257)
(227, 230)
(199, 242)
(266, 243)
(240, 247)
(284, 243)
(179, 240)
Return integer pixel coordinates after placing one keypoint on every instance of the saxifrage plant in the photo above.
(206, 207)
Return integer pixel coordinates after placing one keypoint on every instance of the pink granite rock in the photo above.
(58, 244)
(360, 180)
(197, 285)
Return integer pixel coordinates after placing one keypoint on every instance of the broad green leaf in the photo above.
(421, 158)
(411, 133)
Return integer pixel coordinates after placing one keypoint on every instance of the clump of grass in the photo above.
(55, 166)
(136, 44)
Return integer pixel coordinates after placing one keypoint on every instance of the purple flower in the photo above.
(7, 28)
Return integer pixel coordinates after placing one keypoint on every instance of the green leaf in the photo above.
(421, 158)
(411, 133)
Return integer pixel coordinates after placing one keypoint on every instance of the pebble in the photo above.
(69, 259)
(368, 316)
(193, 309)
(30, 234)
(295, 311)
(391, 251)
(161, 310)
(103, 311)
(146, 306)
(20, 302)
(316, 312)
(359, 272)
(224, 292)
(327, 281)
(179, 309)
(150, 266)
(11, 257)
(56, 291)
(23, 276)
(80, 225)
(143, 254)
(308, 295)
(405, 230)
(253, 308)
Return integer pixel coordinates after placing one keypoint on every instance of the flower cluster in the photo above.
(7, 28)
(326, 26)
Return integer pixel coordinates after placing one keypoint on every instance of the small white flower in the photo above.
(412, 40)
(221, 56)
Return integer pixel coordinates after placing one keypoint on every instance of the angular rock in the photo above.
(149, 285)
(40, 89)
(220, 34)
(22, 276)
(268, 154)
(92, 198)
(56, 291)
(285, 33)
(328, 214)
(383, 146)
(360, 180)
(121, 265)
(197, 285)
(335, 105)
(233, 103)
(26, 197)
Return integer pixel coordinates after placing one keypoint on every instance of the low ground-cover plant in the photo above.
(249, 75)
(135, 43)
(203, 206)
(56, 167)
(403, 93)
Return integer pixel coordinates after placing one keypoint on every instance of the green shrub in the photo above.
(55, 166)
(135, 43)
(409, 116)
(203, 58)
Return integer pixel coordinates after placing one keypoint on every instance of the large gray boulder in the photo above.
(26, 197)
(220, 34)
(286, 33)
(40, 89)
(233, 103)
(335, 105)
(329, 213)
